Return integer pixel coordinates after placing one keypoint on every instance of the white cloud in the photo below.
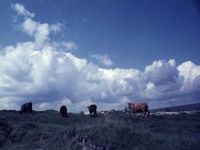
(103, 59)
(65, 45)
(189, 70)
(30, 26)
(49, 75)
(56, 27)
(40, 31)
(190, 74)
(20, 9)
(150, 86)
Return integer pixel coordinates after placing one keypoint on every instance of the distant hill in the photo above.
(188, 107)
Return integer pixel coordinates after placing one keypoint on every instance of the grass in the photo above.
(48, 131)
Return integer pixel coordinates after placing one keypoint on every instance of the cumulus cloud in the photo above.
(102, 59)
(40, 31)
(20, 9)
(49, 74)
(65, 45)
(190, 74)
(150, 86)
(56, 27)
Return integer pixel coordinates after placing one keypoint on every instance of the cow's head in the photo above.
(129, 105)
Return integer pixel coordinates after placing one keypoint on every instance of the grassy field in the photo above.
(114, 131)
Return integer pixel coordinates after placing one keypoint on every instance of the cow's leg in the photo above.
(148, 113)
(144, 113)
(134, 113)
(95, 113)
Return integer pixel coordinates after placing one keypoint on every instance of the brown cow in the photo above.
(139, 108)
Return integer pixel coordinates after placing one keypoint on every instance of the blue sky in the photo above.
(132, 33)
(115, 51)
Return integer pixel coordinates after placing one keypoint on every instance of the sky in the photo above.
(108, 52)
